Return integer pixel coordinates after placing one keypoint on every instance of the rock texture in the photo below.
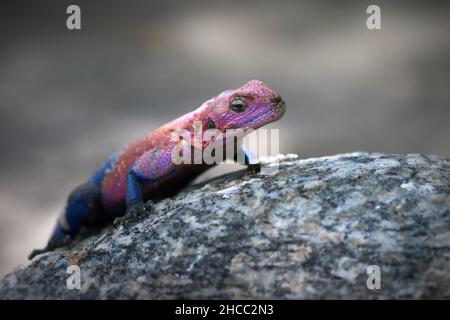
(308, 231)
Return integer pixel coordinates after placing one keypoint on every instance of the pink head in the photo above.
(248, 107)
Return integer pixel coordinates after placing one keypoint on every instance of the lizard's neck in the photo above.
(190, 120)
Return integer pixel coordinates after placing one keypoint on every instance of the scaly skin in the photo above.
(143, 170)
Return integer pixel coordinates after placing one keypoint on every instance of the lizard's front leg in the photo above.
(134, 198)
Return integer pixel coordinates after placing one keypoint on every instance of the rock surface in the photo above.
(308, 231)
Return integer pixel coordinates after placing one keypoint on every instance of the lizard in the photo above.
(143, 170)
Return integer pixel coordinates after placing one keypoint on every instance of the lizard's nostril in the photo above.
(210, 124)
(277, 100)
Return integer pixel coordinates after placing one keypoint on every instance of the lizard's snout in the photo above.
(279, 104)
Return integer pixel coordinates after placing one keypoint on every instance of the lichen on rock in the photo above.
(307, 231)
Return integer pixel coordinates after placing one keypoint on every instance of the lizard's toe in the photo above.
(132, 214)
(254, 168)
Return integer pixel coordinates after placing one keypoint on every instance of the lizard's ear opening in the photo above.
(210, 124)
(238, 104)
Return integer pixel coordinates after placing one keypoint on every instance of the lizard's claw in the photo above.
(132, 214)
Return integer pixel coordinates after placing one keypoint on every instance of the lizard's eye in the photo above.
(238, 104)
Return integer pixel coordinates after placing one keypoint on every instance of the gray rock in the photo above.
(308, 231)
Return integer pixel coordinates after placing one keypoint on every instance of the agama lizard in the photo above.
(143, 170)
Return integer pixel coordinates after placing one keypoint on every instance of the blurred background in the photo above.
(70, 98)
